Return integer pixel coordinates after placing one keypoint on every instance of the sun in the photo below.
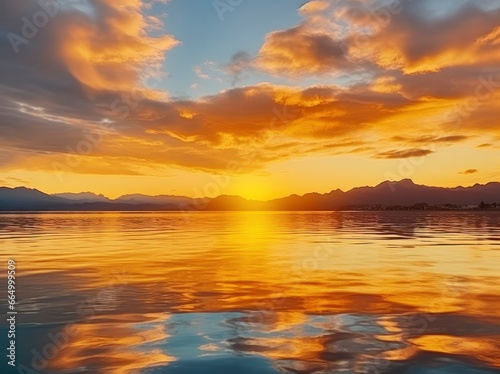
(254, 188)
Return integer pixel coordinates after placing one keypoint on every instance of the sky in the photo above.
(257, 98)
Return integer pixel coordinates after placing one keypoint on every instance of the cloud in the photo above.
(301, 51)
(197, 70)
(100, 45)
(268, 121)
(460, 37)
(412, 37)
(114, 48)
(252, 125)
(241, 116)
(469, 171)
(314, 6)
(429, 139)
(404, 153)
(84, 71)
(240, 62)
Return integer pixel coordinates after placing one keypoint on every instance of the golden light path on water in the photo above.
(299, 292)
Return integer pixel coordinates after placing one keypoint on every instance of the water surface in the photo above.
(256, 292)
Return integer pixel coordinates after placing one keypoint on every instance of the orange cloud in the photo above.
(431, 139)
(469, 171)
(346, 36)
(407, 153)
(314, 6)
(303, 51)
(415, 43)
(253, 126)
(113, 50)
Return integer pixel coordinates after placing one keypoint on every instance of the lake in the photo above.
(254, 292)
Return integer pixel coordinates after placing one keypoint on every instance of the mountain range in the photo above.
(404, 193)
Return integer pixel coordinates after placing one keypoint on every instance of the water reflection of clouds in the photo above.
(394, 288)
(123, 344)
(350, 343)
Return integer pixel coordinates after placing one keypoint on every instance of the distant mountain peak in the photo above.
(83, 196)
(338, 190)
(404, 181)
(407, 183)
(24, 189)
(20, 188)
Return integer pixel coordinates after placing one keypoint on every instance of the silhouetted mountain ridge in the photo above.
(159, 199)
(386, 194)
(27, 198)
(83, 197)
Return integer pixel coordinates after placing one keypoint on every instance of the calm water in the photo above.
(376, 292)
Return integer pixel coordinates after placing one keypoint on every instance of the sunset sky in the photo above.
(259, 98)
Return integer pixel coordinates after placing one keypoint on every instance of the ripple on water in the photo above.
(260, 292)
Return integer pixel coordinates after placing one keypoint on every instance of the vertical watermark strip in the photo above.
(11, 313)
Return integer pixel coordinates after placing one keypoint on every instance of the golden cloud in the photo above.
(348, 36)
(115, 49)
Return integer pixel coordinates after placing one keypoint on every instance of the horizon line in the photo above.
(252, 200)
